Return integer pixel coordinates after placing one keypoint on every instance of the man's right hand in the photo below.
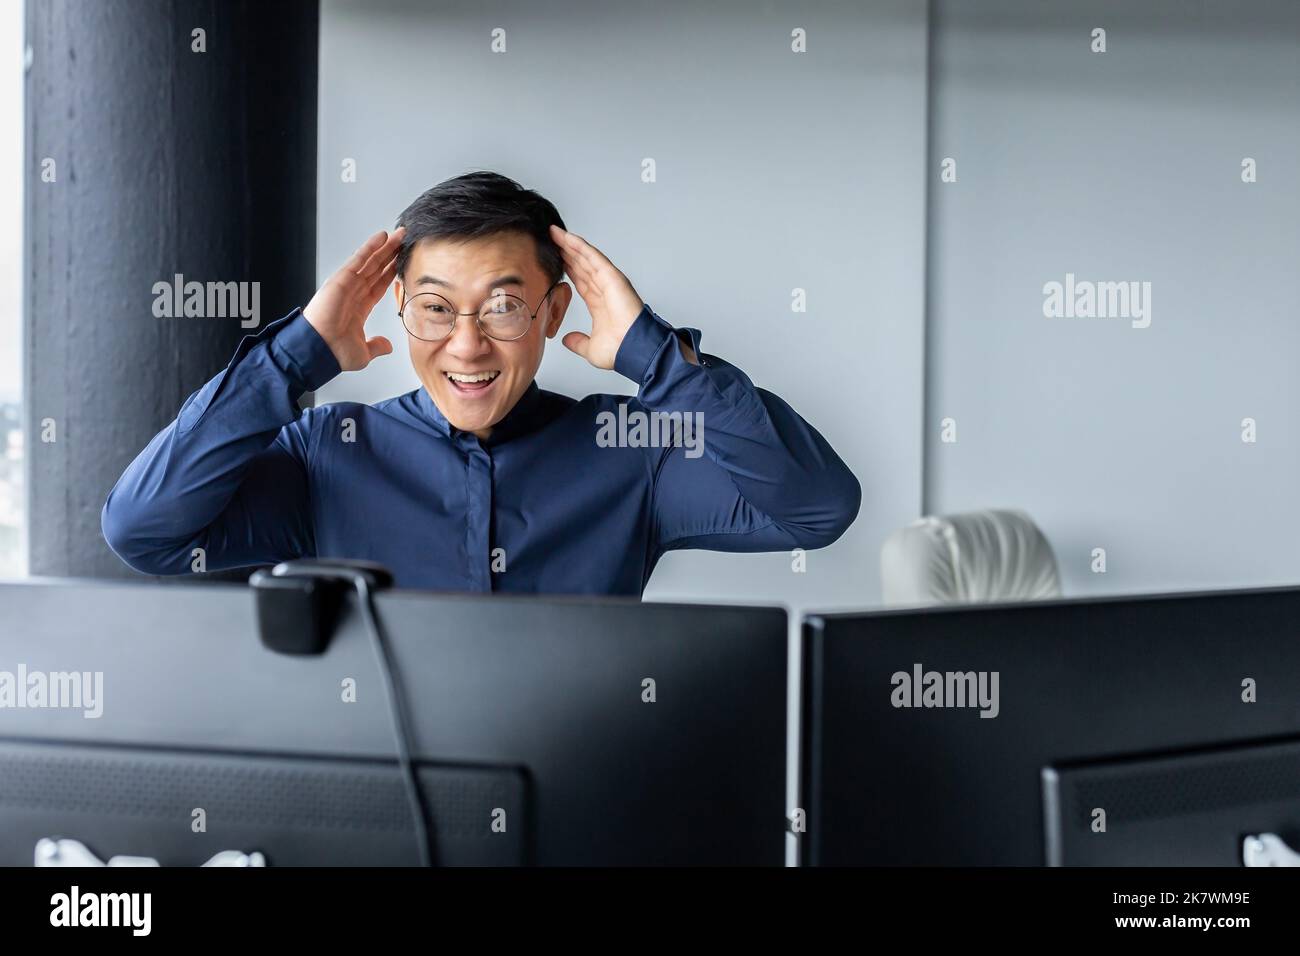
(339, 309)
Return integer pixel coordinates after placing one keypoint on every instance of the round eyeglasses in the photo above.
(504, 317)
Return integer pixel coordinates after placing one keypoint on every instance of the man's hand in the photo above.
(339, 309)
(611, 300)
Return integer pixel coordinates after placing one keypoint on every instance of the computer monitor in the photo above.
(566, 731)
(1141, 730)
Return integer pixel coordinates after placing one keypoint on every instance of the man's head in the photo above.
(469, 242)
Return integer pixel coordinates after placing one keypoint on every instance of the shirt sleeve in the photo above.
(229, 475)
(748, 474)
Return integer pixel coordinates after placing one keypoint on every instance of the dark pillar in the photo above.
(166, 161)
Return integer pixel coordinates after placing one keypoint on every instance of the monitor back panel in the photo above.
(1182, 809)
(934, 782)
(182, 808)
(632, 733)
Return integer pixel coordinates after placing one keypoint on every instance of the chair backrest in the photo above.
(988, 555)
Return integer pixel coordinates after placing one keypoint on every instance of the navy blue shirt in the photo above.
(561, 498)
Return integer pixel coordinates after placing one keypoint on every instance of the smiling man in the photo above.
(478, 480)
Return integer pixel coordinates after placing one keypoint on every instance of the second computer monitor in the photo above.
(1133, 730)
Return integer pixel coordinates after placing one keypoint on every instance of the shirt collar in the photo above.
(523, 418)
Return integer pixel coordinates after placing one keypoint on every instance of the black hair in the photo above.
(482, 204)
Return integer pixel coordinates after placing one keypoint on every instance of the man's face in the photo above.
(466, 273)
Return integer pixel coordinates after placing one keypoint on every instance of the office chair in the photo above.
(977, 556)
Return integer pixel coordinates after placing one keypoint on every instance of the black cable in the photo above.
(363, 575)
(401, 732)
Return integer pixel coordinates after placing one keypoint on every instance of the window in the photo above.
(13, 552)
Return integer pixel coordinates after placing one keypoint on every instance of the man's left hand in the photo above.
(610, 298)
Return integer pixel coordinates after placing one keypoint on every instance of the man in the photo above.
(478, 480)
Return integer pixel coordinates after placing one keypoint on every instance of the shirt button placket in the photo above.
(478, 482)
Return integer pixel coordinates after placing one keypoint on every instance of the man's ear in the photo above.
(399, 294)
(559, 305)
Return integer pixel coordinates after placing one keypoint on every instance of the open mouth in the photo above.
(470, 383)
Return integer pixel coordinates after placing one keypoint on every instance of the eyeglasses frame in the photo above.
(478, 315)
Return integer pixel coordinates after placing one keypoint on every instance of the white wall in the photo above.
(1118, 166)
(776, 170)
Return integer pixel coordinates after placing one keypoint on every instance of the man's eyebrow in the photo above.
(499, 281)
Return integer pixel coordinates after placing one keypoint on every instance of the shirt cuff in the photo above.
(302, 351)
(644, 340)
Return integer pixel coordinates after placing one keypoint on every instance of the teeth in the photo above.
(474, 377)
